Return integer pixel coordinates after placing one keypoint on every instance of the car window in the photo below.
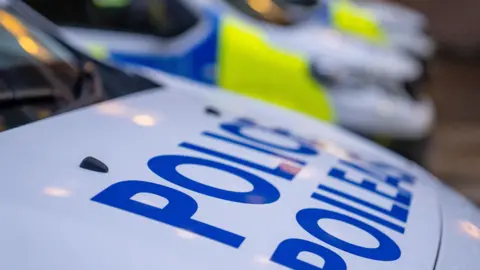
(41, 76)
(31, 67)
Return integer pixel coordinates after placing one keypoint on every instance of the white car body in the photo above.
(212, 180)
(269, 183)
(394, 16)
(404, 30)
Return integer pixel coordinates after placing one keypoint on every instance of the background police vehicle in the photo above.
(230, 51)
(175, 178)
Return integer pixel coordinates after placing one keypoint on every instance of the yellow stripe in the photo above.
(249, 65)
(358, 21)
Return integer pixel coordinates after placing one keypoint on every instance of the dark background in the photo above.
(454, 153)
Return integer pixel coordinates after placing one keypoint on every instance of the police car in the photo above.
(288, 26)
(230, 51)
(396, 16)
(381, 23)
(169, 177)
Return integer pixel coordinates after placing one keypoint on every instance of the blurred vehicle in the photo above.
(229, 53)
(380, 23)
(164, 176)
(395, 16)
(289, 27)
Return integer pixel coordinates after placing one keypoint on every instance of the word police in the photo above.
(181, 207)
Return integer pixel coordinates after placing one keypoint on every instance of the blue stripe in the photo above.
(323, 13)
(198, 63)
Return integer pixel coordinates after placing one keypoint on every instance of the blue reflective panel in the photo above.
(197, 63)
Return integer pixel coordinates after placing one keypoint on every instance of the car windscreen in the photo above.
(40, 76)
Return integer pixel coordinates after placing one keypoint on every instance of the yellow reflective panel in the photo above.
(251, 66)
(358, 21)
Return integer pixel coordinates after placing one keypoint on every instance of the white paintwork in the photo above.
(416, 43)
(460, 244)
(49, 221)
(372, 110)
(48, 216)
(394, 16)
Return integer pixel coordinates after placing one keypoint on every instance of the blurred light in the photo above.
(111, 108)
(289, 168)
(144, 120)
(185, 234)
(26, 41)
(471, 229)
(12, 24)
(261, 6)
(32, 47)
(43, 114)
(333, 149)
(56, 192)
(307, 173)
(28, 45)
(262, 259)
